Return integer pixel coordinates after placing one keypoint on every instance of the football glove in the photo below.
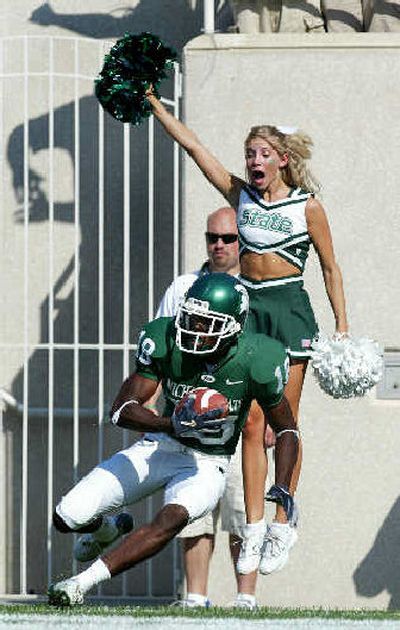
(185, 418)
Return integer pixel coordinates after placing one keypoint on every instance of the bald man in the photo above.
(223, 256)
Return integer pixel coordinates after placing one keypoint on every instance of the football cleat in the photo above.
(279, 540)
(90, 546)
(250, 549)
(65, 593)
(281, 495)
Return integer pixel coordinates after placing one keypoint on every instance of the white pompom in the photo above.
(346, 366)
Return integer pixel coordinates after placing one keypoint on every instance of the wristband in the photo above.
(115, 417)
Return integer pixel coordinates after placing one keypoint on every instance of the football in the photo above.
(205, 399)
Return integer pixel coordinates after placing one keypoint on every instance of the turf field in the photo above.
(41, 617)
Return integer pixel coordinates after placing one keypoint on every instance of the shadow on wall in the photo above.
(65, 295)
(88, 227)
(380, 569)
(174, 21)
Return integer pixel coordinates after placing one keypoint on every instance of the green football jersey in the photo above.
(255, 367)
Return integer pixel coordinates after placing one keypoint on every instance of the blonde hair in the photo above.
(297, 146)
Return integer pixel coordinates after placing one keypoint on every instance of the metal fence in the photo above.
(90, 240)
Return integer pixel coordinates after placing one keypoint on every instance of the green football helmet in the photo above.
(212, 314)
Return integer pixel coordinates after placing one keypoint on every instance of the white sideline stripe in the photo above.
(42, 622)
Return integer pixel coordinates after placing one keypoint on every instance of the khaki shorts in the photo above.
(230, 507)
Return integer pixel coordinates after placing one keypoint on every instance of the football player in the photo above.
(185, 453)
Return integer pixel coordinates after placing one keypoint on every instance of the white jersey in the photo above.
(173, 296)
(277, 226)
(176, 291)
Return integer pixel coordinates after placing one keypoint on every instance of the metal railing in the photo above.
(209, 16)
(84, 53)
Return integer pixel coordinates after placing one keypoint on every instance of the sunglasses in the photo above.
(212, 238)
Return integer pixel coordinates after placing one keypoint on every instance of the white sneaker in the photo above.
(65, 593)
(247, 603)
(250, 548)
(279, 539)
(90, 546)
(191, 603)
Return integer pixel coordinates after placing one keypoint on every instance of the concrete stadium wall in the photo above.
(341, 90)
(175, 21)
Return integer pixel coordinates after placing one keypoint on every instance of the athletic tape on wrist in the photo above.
(297, 433)
(116, 415)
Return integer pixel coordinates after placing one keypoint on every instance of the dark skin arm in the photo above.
(134, 416)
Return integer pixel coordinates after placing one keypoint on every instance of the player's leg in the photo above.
(196, 483)
(97, 535)
(193, 491)
(147, 540)
(143, 543)
(112, 484)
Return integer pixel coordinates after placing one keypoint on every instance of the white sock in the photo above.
(254, 528)
(108, 531)
(96, 573)
(278, 525)
(197, 598)
(246, 597)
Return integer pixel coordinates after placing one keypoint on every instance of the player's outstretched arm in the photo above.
(226, 183)
(282, 422)
(128, 411)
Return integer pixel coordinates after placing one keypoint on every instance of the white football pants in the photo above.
(189, 478)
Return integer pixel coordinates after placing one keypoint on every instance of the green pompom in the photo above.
(133, 64)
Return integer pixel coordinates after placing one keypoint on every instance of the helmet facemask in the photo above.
(200, 330)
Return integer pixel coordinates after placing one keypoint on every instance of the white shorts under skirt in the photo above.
(189, 478)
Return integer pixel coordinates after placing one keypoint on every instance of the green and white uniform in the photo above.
(279, 307)
(254, 368)
(192, 470)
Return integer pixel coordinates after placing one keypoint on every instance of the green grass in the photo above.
(214, 612)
